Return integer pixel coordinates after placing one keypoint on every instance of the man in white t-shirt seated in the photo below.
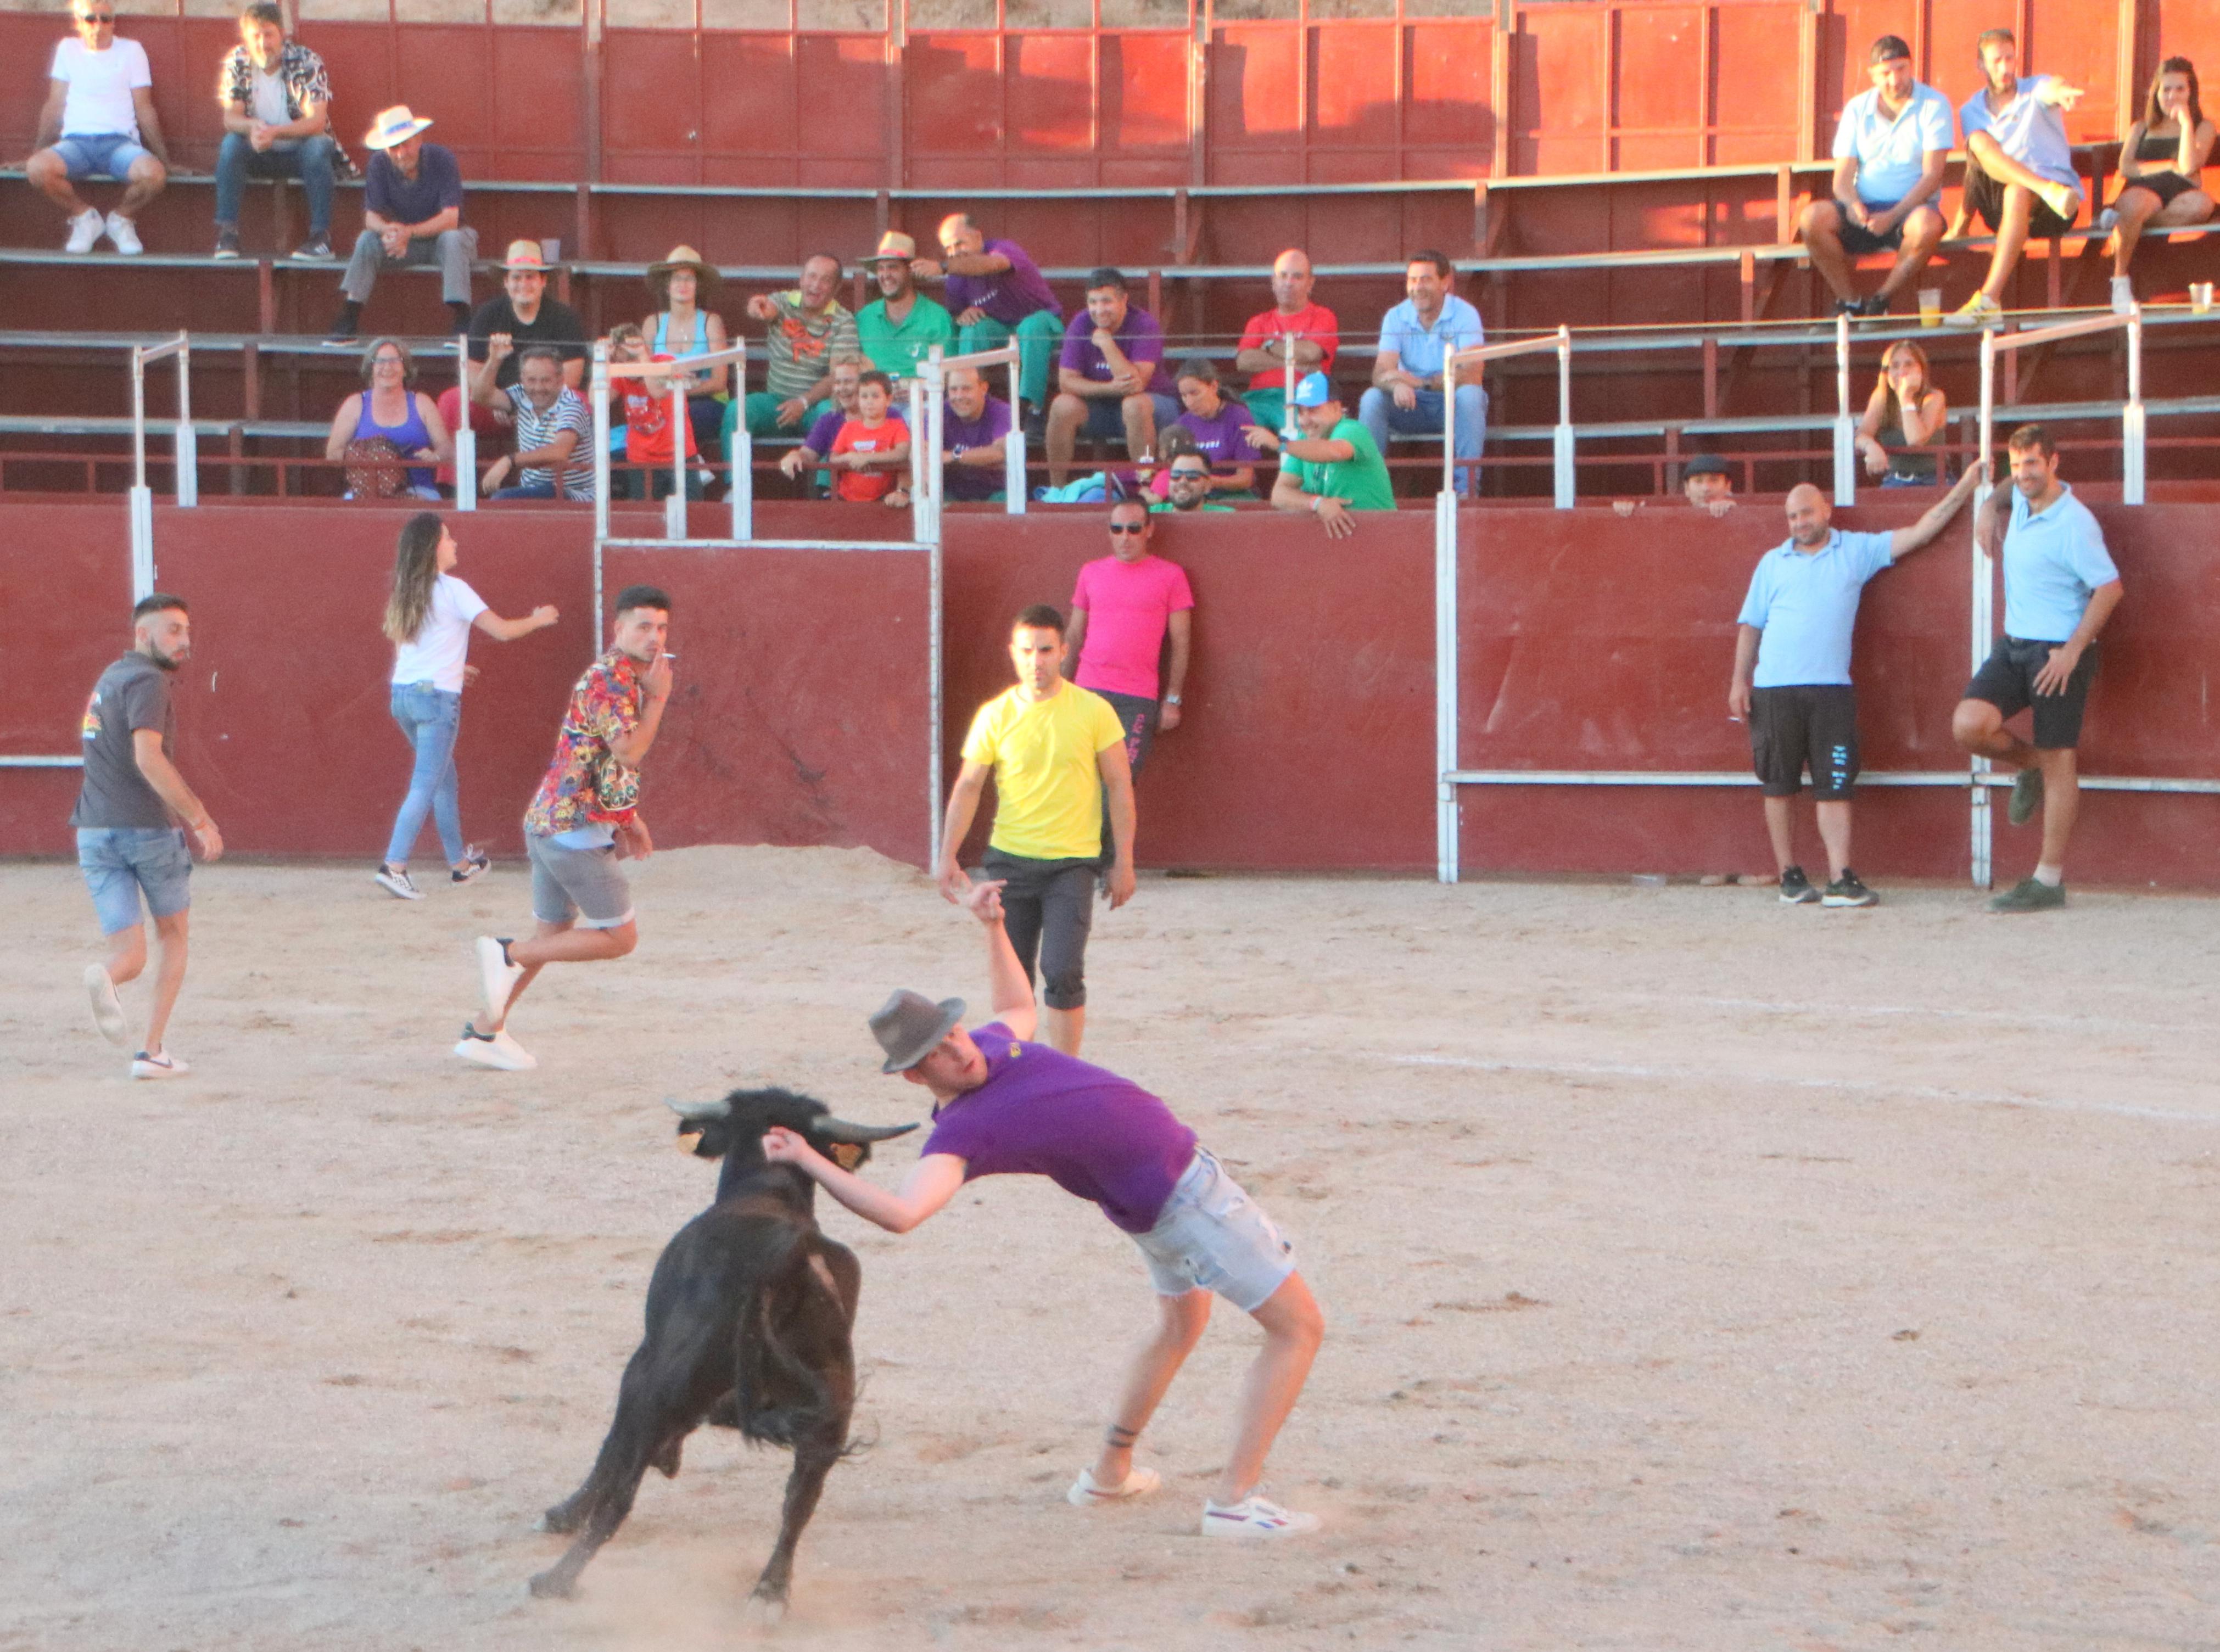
(99, 121)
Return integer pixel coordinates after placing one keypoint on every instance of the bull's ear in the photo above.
(839, 1129)
(698, 1114)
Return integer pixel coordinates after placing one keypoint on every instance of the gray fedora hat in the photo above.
(909, 1025)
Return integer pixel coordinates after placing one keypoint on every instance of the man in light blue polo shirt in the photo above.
(2060, 589)
(1791, 675)
(1416, 337)
(2019, 166)
(1890, 148)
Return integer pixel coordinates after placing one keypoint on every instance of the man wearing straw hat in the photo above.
(899, 328)
(525, 316)
(412, 212)
(684, 286)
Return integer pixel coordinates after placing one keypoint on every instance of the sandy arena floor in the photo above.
(1698, 1275)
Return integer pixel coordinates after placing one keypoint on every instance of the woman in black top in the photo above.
(2161, 165)
(1904, 420)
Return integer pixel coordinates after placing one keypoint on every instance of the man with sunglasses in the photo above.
(1188, 482)
(99, 121)
(1123, 608)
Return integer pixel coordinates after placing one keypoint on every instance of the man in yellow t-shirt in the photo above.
(1057, 753)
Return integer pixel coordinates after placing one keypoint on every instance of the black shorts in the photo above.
(2165, 185)
(1858, 240)
(1137, 717)
(1801, 724)
(2006, 681)
(1985, 195)
(1048, 907)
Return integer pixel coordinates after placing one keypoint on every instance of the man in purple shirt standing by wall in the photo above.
(1004, 1106)
(1111, 380)
(996, 292)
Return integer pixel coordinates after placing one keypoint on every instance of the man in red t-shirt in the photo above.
(872, 448)
(645, 406)
(1264, 347)
(1122, 609)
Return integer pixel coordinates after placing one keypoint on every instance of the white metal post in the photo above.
(742, 460)
(466, 440)
(920, 496)
(601, 392)
(1014, 450)
(674, 507)
(1289, 428)
(1449, 422)
(188, 466)
(1846, 433)
(1446, 684)
(2133, 423)
(142, 497)
(1981, 825)
(1567, 488)
(935, 441)
(933, 668)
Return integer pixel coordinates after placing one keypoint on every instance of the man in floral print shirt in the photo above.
(583, 819)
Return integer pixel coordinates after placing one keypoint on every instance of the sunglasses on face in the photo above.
(96, 18)
(1129, 528)
(1190, 476)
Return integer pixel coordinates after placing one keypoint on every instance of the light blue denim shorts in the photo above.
(86, 155)
(1212, 1237)
(119, 861)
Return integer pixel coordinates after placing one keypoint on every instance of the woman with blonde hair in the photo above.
(2161, 171)
(1904, 414)
(428, 617)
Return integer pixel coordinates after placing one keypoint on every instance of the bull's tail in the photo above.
(797, 1378)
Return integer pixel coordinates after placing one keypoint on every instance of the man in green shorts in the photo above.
(1333, 468)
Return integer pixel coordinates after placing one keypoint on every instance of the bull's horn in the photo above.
(701, 1110)
(839, 1129)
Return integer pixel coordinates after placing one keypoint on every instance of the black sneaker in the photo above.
(1847, 891)
(318, 247)
(2030, 895)
(227, 243)
(2026, 797)
(1796, 889)
(1875, 306)
(345, 328)
(474, 865)
(1852, 308)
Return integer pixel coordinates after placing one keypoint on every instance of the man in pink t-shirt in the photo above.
(1121, 609)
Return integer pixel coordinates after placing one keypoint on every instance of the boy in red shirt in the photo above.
(647, 408)
(872, 447)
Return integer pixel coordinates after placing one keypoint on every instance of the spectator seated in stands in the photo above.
(2019, 166)
(846, 371)
(1111, 379)
(2161, 171)
(644, 405)
(1172, 442)
(99, 121)
(1904, 420)
(552, 460)
(1261, 353)
(870, 455)
(524, 315)
(899, 328)
(390, 419)
(1416, 337)
(1334, 467)
(1186, 487)
(1705, 483)
(1891, 146)
(997, 293)
(974, 433)
(277, 107)
(412, 212)
(804, 330)
(682, 325)
(1217, 425)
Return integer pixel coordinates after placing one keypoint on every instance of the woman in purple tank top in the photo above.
(393, 408)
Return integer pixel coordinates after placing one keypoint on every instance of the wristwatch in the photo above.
(1171, 700)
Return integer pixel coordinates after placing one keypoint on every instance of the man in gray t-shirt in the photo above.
(129, 844)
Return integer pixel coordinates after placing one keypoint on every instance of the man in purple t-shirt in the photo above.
(1004, 1106)
(974, 431)
(996, 293)
(1111, 380)
(1220, 429)
(1122, 609)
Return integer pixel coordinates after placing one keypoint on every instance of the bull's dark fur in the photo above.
(748, 1319)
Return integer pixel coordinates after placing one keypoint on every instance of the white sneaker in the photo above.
(499, 1052)
(125, 235)
(398, 884)
(107, 1007)
(2106, 222)
(1086, 1494)
(2124, 296)
(168, 1063)
(1254, 1518)
(85, 231)
(497, 975)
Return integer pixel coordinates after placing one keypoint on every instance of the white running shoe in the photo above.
(125, 235)
(107, 1007)
(2106, 222)
(2124, 296)
(499, 1052)
(497, 975)
(1086, 1494)
(1254, 1518)
(85, 231)
(398, 884)
(166, 1064)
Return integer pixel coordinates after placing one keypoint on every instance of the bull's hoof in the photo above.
(552, 1585)
(560, 1520)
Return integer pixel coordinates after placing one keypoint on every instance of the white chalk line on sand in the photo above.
(1855, 1012)
(1847, 1086)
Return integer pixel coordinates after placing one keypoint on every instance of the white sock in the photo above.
(2053, 875)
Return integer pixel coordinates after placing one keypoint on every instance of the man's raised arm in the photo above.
(1920, 533)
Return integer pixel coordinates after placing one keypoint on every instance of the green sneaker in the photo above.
(2030, 895)
(2026, 797)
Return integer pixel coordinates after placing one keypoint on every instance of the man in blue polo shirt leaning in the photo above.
(1416, 337)
(1890, 148)
(2019, 166)
(1791, 675)
(2060, 589)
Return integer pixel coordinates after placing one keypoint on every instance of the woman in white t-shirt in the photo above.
(429, 616)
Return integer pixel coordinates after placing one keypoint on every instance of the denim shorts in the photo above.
(1212, 1237)
(120, 861)
(584, 884)
(112, 152)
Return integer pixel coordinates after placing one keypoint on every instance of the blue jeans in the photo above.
(119, 861)
(429, 717)
(308, 159)
(1378, 414)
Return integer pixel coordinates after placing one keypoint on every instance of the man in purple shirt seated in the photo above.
(996, 292)
(1004, 1106)
(1111, 380)
(1218, 426)
(974, 433)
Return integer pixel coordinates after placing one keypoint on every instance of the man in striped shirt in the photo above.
(553, 429)
(804, 331)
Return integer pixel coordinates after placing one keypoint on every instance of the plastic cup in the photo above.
(551, 249)
(2200, 296)
(1930, 307)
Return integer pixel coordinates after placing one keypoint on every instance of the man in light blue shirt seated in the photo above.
(2019, 166)
(1416, 337)
(2060, 589)
(1791, 675)
(1890, 149)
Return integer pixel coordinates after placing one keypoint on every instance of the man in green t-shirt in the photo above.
(899, 327)
(1190, 487)
(1333, 468)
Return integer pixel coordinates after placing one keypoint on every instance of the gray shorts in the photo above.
(584, 884)
(1212, 1237)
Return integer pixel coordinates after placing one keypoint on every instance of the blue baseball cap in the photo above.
(1313, 391)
